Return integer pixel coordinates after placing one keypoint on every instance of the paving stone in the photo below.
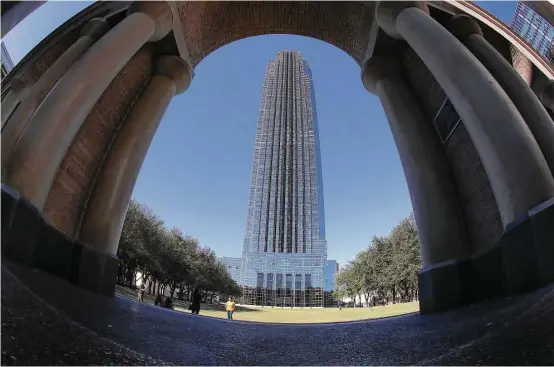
(50, 321)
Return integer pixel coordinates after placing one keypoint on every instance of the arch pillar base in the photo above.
(521, 261)
(22, 227)
(9, 202)
(443, 286)
(28, 239)
(92, 269)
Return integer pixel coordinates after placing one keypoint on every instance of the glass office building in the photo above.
(329, 273)
(233, 266)
(284, 250)
(534, 29)
(7, 63)
(331, 269)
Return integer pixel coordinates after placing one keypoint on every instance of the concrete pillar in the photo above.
(547, 95)
(107, 207)
(90, 33)
(36, 157)
(529, 106)
(440, 228)
(518, 173)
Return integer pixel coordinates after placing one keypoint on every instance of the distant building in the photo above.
(7, 63)
(284, 258)
(331, 269)
(329, 273)
(233, 266)
(534, 29)
(285, 250)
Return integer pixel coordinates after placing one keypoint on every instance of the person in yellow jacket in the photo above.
(230, 307)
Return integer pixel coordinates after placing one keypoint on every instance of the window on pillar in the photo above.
(446, 121)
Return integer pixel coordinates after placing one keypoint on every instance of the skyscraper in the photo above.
(534, 29)
(285, 251)
(329, 284)
(7, 63)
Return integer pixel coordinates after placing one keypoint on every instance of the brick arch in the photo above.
(210, 25)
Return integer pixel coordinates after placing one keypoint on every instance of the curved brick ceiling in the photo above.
(210, 25)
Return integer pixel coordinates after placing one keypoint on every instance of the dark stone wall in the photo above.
(476, 200)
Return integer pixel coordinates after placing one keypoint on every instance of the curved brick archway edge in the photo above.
(346, 25)
(59, 224)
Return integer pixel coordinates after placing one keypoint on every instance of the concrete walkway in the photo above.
(46, 320)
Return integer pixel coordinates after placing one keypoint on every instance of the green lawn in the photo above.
(293, 316)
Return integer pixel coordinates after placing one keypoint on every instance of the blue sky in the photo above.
(197, 172)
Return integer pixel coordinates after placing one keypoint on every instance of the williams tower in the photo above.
(284, 251)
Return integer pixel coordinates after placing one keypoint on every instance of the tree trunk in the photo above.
(120, 270)
(181, 292)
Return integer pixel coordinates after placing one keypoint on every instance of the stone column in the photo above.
(547, 95)
(90, 33)
(440, 228)
(35, 159)
(530, 107)
(518, 173)
(105, 213)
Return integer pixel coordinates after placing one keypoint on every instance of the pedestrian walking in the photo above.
(196, 298)
(230, 307)
(141, 291)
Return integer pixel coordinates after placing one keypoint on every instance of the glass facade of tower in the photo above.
(284, 250)
(331, 269)
(534, 29)
(233, 266)
(7, 63)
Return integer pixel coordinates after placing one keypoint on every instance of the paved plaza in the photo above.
(45, 320)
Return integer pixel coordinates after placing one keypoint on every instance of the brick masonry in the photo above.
(522, 65)
(476, 200)
(210, 25)
(74, 181)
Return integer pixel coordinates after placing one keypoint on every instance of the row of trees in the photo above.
(166, 258)
(386, 271)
